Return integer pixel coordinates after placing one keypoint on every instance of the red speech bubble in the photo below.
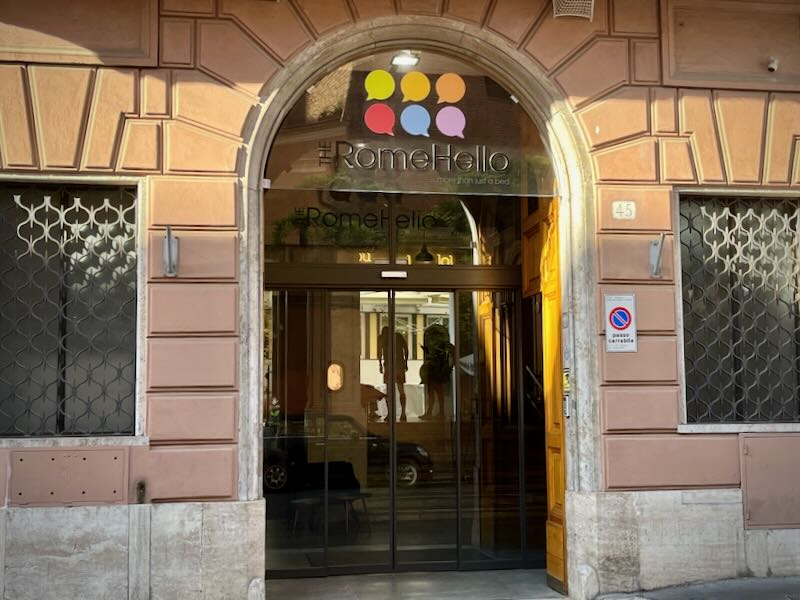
(379, 118)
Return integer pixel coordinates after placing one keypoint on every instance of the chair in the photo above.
(344, 488)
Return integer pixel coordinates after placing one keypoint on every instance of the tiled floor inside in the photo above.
(470, 585)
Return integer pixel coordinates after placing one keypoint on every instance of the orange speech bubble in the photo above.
(450, 87)
(415, 86)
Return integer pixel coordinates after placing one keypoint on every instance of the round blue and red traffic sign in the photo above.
(620, 318)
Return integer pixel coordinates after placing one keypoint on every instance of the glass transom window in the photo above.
(418, 127)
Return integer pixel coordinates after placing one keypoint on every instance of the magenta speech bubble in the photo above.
(451, 121)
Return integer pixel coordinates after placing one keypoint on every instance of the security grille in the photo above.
(67, 310)
(574, 8)
(740, 262)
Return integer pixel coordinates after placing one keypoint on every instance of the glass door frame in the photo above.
(397, 566)
(455, 282)
(391, 278)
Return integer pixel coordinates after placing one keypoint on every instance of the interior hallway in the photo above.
(461, 585)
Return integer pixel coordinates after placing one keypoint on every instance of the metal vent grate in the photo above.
(67, 310)
(574, 8)
(740, 262)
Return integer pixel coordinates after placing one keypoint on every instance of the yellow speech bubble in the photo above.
(450, 87)
(379, 85)
(415, 86)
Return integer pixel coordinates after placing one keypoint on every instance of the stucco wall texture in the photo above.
(170, 92)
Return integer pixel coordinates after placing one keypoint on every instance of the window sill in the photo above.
(739, 428)
(74, 442)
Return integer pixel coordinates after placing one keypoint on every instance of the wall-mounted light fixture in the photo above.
(424, 257)
(772, 65)
(656, 249)
(335, 376)
(171, 251)
(406, 58)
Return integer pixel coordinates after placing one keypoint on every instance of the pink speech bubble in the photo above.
(451, 121)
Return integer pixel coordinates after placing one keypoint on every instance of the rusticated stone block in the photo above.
(77, 552)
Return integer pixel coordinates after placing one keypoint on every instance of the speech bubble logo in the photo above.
(379, 85)
(415, 86)
(451, 121)
(379, 118)
(415, 120)
(450, 88)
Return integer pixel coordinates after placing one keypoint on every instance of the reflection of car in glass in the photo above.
(288, 466)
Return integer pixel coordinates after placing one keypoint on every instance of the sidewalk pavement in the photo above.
(771, 588)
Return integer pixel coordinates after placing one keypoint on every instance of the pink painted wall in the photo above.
(168, 92)
(770, 481)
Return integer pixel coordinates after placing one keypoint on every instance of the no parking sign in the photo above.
(620, 315)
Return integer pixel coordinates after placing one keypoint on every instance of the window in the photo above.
(740, 262)
(67, 310)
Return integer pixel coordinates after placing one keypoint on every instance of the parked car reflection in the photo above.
(294, 458)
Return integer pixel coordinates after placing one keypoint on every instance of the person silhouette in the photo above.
(400, 365)
(437, 363)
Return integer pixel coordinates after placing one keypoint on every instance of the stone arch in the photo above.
(562, 135)
(540, 97)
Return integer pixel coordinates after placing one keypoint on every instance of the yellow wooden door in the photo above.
(553, 398)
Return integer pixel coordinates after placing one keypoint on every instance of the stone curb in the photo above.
(746, 588)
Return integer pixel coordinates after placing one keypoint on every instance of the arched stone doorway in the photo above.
(541, 100)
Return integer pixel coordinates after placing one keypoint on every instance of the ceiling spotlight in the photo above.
(424, 257)
(406, 58)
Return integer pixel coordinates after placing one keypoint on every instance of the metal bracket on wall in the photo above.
(141, 491)
(656, 250)
(171, 251)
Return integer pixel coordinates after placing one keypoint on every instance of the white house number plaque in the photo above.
(623, 210)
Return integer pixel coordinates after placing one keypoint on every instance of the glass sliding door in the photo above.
(490, 524)
(397, 431)
(426, 447)
(359, 499)
(325, 469)
(294, 433)
(532, 376)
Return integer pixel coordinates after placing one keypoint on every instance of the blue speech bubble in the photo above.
(415, 120)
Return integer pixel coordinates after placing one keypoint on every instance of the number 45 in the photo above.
(623, 209)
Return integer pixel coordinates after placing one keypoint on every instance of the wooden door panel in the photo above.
(553, 385)
(541, 272)
(556, 559)
(555, 467)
